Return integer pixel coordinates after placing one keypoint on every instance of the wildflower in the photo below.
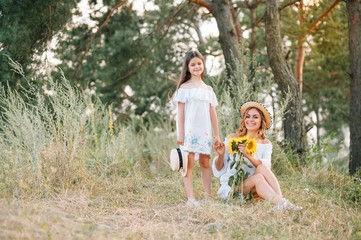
(110, 123)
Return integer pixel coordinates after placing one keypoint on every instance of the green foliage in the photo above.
(284, 161)
(328, 152)
(231, 96)
(331, 182)
(325, 79)
(351, 191)
(26, 27)
(133, 61)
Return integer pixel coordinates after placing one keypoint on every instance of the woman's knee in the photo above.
(259, 178)
(262, 169)
(254, 180)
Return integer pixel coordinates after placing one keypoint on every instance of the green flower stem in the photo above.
(236, 181)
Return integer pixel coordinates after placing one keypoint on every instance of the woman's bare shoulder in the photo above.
(264, 141)
(232, 135)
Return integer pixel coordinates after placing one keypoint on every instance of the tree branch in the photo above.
(169, 21)
(316, 22)
(104, 23)
(259, 20)
(203, 3)
(247, 4)
(287, 4)
(100, 28)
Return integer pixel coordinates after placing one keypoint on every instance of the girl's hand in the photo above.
(180, 141)
(217, 141)
(180, 138)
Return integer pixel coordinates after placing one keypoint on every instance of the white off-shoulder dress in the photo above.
(263, 153)
(197, 118)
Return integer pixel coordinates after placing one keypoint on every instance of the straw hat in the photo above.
(179, 160)
(260, 107)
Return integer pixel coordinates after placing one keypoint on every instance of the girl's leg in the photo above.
(204, 162)
(258, 182)
(188, 181)
(270, 178)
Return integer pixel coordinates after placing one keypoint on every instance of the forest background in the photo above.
(86, 123)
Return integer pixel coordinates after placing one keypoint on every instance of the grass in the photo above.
(152, 207)
(67, 171)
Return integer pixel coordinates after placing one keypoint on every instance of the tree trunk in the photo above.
(300, 59)
(229, 37)
(293, 121)
(354, 26)
(302, 39)
(253, 46)
(317, 111)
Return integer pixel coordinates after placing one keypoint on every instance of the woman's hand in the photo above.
(252, 159)
(242, 149)
(220, 148)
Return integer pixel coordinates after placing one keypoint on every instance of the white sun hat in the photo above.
(179, 160)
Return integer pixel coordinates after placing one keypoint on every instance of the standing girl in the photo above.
(196, 116)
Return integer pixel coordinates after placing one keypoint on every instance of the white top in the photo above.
(197, 117)
(263, 153)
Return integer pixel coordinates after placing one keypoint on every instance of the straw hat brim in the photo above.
(259, 106)
(179, 160)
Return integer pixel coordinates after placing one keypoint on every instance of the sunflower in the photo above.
(242, 140)
(232, 146)
(251, 146)
(234, 142)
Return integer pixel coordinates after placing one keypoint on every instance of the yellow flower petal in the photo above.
(232, 145)
(251, 146)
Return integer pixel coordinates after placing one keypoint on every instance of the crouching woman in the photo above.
(261, 181)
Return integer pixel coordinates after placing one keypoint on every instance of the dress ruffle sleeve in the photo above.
(266, 155)
(213, 99)
(179, 96)
(217, 173)
(184, 95)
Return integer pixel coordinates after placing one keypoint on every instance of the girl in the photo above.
(196, 116)
(261, 181)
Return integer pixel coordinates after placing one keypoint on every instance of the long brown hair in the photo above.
(185, 74)
(242, 130)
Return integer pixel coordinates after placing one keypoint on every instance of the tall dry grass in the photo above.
(53, 142)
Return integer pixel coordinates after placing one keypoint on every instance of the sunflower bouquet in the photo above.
(236, 181)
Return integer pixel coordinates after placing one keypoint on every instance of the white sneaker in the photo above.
(286, 205)
(192, 203)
